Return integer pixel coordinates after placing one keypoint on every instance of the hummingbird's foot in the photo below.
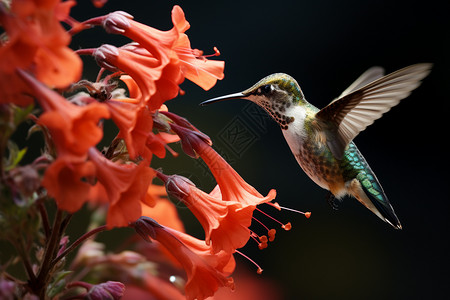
(332, 201)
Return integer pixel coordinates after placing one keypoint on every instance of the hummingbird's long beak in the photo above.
(222, 98)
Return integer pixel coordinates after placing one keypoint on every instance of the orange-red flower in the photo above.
(135, 124)
(167, 52)
(74, 128)
(150, 62)
(164, 211)
(125, 186)
(232, 186)
(225, 222)
(36, 42)
(147, 71)
(205, 272)
(66, 181)
(194, 65)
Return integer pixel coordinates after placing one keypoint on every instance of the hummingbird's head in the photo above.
(275, 93)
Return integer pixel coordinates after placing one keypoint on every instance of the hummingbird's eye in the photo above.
(266, 89)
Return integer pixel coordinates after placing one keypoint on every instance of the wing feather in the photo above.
(365, 78)
(360, 105)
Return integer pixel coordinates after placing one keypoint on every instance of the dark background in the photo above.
(325, 45)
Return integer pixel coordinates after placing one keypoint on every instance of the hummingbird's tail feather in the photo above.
(368, 191)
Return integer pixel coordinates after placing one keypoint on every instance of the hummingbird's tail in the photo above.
(362, 184)
(366, 188)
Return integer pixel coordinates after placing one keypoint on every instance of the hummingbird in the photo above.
(322, 139)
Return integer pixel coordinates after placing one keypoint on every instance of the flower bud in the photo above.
(110, 290)
(26, 179)
(117, 22)
(7, 289)
(144, 226)
(104, 55)
(178, 186)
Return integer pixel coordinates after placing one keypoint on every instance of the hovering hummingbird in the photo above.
(321, 140)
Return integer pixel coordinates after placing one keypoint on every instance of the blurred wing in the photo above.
(367, 77)
(347, 116)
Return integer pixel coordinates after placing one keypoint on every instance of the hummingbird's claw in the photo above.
(332, 201)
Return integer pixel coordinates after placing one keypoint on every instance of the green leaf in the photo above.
(21, 114)
(58, 284)
(15, 156)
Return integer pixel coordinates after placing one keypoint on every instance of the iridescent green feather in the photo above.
(355, 166)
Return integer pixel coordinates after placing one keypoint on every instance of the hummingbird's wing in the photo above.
(367, 77)
(347, 116)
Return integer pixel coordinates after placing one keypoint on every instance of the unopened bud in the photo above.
(144, 226)
(117, 22)
(178, 186)
(105, 55)
(110, 290)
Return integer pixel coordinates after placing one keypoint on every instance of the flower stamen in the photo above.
(279, 207)
(260, 240)
(259, 270)
(286, 226)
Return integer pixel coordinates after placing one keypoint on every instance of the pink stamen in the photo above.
(254, 236)
(269, 216)
(260, 240)
(197, 53)
(261, 223)
(259, 271)
(173, 152)
(279, 207)
(286, 227)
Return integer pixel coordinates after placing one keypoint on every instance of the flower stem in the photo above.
(77, 243)
(26, 262)
(88, 51)
(44, 217)
(39, 287)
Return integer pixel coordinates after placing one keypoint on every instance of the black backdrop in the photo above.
(325, 45)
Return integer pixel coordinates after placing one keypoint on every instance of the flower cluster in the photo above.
(38, 69)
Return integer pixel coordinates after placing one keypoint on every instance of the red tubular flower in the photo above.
(125, 186)
(38, 43)
(74, 129)
(135, 125)
(165, 212)
(225, 222)
(151, 62)
(194, 65)
(133, 89)
(205, 272)
(167, 52)
(232, 186)
(147, 71)
(66, 182)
